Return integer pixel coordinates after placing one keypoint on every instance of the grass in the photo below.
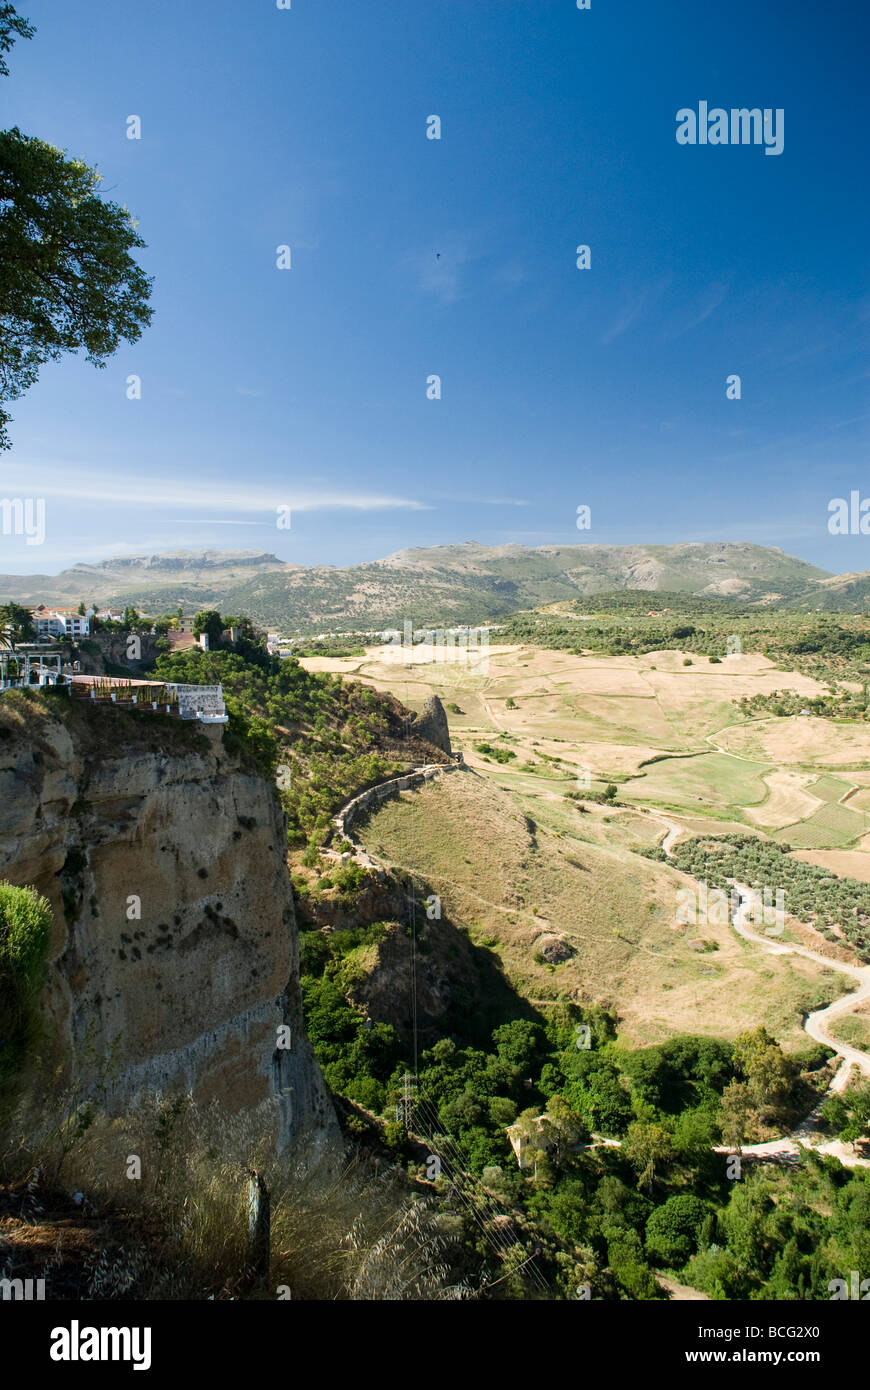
(828, 788)
(657, 728)
(579, 875)
(348, 1230)
(831, 827)
(710, 781)
(854, 1029)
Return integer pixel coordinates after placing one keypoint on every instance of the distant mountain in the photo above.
(839, 593)
(196, 573)
(467, 583)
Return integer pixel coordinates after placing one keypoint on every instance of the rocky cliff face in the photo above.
(431, 724)
(107, 653)
(162, 856)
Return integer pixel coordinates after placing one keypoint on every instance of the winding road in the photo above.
(815, 1024)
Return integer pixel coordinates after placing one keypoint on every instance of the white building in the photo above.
(61, 622)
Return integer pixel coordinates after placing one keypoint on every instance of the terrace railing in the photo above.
(204, 702)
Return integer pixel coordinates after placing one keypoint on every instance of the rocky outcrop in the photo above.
(163, 857)
(110, 653)
(443, 984)
(553, 948)
(431, 724)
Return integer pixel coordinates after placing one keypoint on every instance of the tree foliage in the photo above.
(68, 280)
(25, 930)
(17, 623)
(12, 26)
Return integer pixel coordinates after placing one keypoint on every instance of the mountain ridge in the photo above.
(461, 583)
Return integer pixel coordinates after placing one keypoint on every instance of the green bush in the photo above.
(501, 755)
(672, 1230)
(25, 930)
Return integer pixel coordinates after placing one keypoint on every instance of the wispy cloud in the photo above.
(124, 489)
(482, 501)
(634, 305)
(762, 530)
(853, 420)
(695, 313)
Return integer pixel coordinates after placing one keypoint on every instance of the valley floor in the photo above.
(523, 863)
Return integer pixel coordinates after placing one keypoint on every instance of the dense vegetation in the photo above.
(68, 279)
(328, 646)
(846, 704)
(324, 733)
(491, 753)
(810, 893)
(606, 1215)
(25, 929)
(635, 622)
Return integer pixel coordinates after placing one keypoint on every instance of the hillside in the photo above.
(839, 593)
(323, 737)
(562, 892)
(467, 583)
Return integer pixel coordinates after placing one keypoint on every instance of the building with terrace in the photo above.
(60, 622)
(19, 670)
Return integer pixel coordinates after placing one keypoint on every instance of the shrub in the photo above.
(501, 755)
(672, 1229)
(25, 929)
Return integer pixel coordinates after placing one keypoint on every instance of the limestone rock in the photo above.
(554, 949)
(431, 724)
(163, 858)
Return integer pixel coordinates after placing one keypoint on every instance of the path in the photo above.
(815, 1023)
(789, 1146)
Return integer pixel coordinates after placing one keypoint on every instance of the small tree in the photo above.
(648, 1146)
(566, 1126)
(673, 1230)
(210, 622)
(17, 622)
(734, 1114)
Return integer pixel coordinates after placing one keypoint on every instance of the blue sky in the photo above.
(262, 388)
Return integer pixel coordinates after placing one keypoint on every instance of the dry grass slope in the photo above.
(513, 876)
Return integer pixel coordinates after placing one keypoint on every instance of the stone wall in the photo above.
(105, 653)
(343, 822)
